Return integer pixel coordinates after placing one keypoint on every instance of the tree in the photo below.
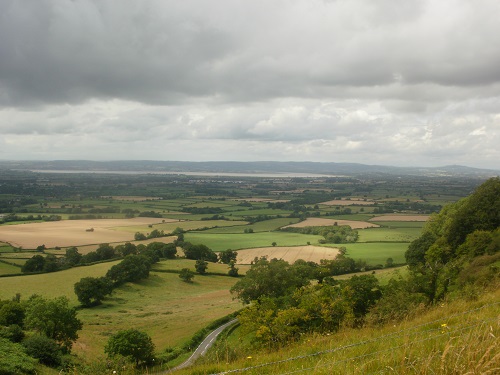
(266, 278)
(201, 266)
(228, 256)
(186, 275)
(11, 312)
(363, 292)
(35, 264)
(126, 249)
(200, 251)
(132, 268)
(105, 251)
(132, 344)
(51, 264)
(73, 257)
(138, 236)
(233, 271)
(53, 318)
(92, 290)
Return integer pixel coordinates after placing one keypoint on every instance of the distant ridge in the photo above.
(152, 166)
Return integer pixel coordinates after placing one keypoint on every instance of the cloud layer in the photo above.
(386, 82)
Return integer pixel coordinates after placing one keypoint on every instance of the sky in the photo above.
(387, 82)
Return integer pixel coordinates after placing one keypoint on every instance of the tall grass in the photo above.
(459, 337)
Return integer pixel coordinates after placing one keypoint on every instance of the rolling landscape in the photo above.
(61, 229)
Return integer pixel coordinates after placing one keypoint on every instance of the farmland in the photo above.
(51, 212)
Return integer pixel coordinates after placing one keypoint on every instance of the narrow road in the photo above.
(203, 347)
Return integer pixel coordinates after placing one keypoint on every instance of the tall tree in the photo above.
(53, 318)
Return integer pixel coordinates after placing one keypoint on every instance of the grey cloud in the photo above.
(167, 52)
(286, 80)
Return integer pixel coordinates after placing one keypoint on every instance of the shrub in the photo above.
(44, 349)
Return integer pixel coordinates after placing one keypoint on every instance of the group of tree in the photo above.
(458, 250)
(155, 233)
(458, 246)
(198, 252)
(36, 330)
(90, 291)
(105, 252)
(332, 233)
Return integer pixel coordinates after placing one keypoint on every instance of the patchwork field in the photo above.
(73, 232)
(289, 254)
(317, 222)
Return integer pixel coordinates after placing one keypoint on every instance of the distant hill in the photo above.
(152, 166)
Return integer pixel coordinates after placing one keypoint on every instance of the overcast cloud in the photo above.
(406, 83)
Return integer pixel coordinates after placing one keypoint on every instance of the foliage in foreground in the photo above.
(458, 337)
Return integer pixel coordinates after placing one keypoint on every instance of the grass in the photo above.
(164, 306)
(220, 242)
(51, 285)
(8, 269)
(388, 234)
(383, 275)
(377, 252)
(178, 264)
(458, 337)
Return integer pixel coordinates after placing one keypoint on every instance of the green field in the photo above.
(51, 284)
(261, 226)
(388, 234)
(8, 269)
(221, 242)
(377, 252)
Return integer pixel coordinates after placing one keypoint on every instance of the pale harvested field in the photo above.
(319, 222)
(289, 254)
(72, 232)
(400, 218)
(346, 202)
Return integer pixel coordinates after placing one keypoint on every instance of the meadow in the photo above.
(164, 306)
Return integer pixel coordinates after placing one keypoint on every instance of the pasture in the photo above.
(388, 234)
(164, 306)
(377, 252)
(224, 241)
(8, 269)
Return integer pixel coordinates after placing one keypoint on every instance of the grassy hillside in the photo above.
(168, 309)
(452, 338)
